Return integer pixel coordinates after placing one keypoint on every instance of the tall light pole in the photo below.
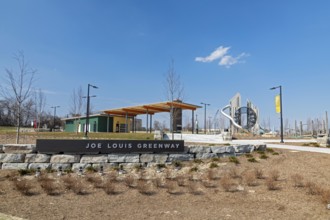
(54, 107)
(281, 110)
(87, 110)
(205, 104)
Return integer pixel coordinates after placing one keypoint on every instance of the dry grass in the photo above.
(325, 196)
(160, 182)
(213, 174)
(69, 182)
(298, 180)
(24, 186)
(234, 173)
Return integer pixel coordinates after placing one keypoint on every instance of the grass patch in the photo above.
(252, 160)
(234, 160)
(213, 165)
(263, 156)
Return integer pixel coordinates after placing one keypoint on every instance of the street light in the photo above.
(281, 108)
(87, 111)
(205, 104)
(54, 107)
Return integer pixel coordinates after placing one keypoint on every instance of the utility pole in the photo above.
(54, 107)
(87, 110)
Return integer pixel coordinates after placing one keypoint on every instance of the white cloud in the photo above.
(217, 54)
(221, 53)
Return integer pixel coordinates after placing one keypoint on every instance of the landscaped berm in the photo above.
(277, 184)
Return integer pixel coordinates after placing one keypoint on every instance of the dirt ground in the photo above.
(226, 192)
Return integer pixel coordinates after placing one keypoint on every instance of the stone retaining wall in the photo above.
(25, 157)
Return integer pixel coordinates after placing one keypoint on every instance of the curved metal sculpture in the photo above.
(251, 117)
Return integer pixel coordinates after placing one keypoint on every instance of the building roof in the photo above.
(150, 108)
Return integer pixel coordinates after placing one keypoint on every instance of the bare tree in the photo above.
(40, 103)
(77, 105)
(18, 86)
(173, 88)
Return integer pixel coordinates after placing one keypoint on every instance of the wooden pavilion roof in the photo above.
(150, 108)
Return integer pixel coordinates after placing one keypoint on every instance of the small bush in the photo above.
(261, 152)
(199, 161)
(269, 150)
(325, 196)
(194, 188)
(252, 160)
(210, 183)
(161, 166)
(91, 169)
(275, 153)
(212, 174)
(274, 175)
(23, 186)
(79, 187)
(263, 156)
(259, 173)
(313, 188)
(49, 186)
(50, 170)
(228, 184)
(298, 180)
(159, 182)
(315, 144)
(215, 159)
(213, 165)
(145, 188)
(23, 172)
(69, 182)
(194, 169)
(172, 187)
(234, 160)
(95, 180)
(181, 180)
(177, 164)
(110, 187)
(233, 173)
(130, 181)
(271, 184)
(251, 179)
(248, 155)
(139, 167)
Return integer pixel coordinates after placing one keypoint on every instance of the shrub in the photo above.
(252, 160)
(271, 184)
(194, 169)
(69, 182)
(248, 155)
(212, 174)
(161, 166)
(50, 170)
(177, 164)
(49, 186)
(181, 180)
(79, 187)
(313, 188)
(91, 169)
(95, 180)
(23, 186)
(145, 187)
(228, 184)
(275, 153)
(194, 188)
(233, 173)
(297, 180)
(130, 181)
(263, 156)
(23, 172)
(199, 161)
(269, 150)
(234, 160)
(274, 175)
(159, 182)
(259, 173)
(325, 196)
(215, 159)
(250, 179)
(110, 187)
(172, 187)
(210, 183)
(138, 167)
(213, 165)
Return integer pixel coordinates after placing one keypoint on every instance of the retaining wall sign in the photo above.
(109, 146)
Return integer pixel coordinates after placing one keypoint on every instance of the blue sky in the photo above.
(219, 48)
